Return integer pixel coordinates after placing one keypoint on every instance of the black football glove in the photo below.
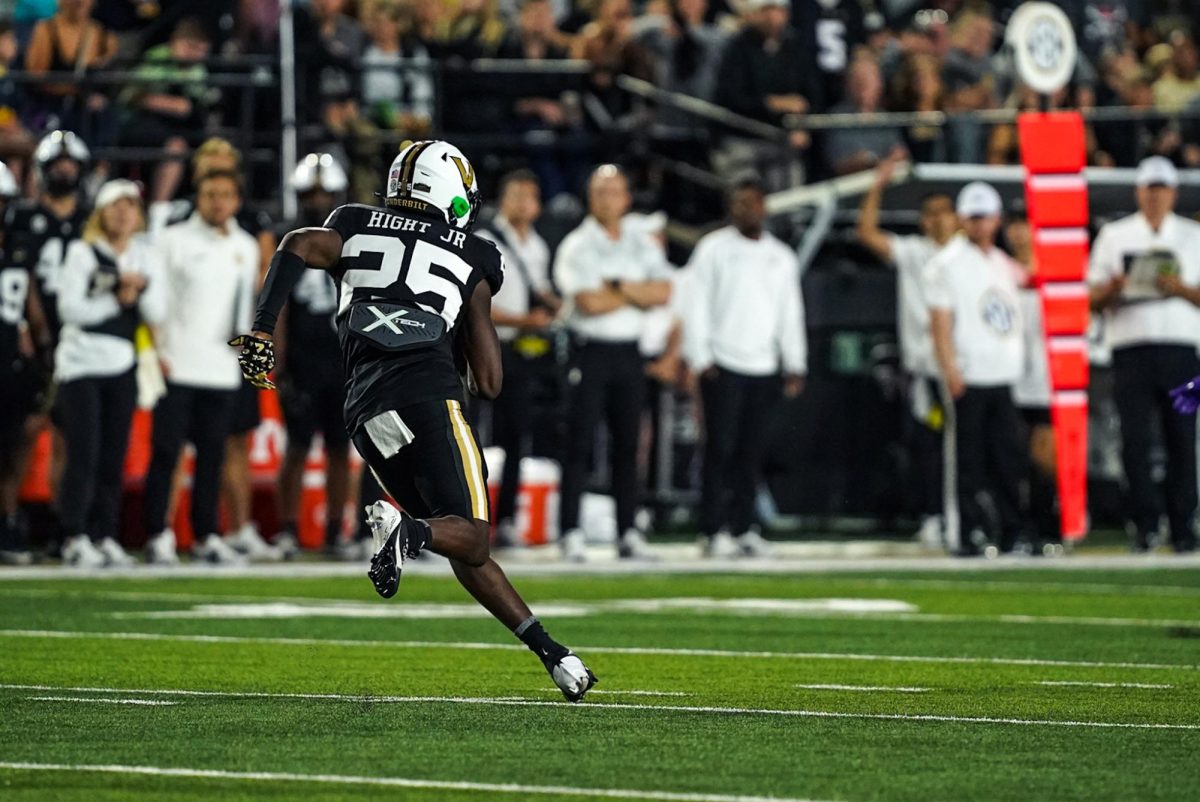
(257, 359)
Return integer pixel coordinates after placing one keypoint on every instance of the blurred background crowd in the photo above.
(687, 96)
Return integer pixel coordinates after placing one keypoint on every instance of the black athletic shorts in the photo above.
(313, 404)
(427, 458)
(246, 416)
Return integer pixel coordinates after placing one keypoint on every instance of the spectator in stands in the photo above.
(397, 84)
(168, 103)
(608, 273)
(830, 31)
(535, 36)
(308, 371)
(975, 315)
(858, 148)
(918, 87)
(607, 43)
(1181, 83)
(112, 281)
(71, 41)
(332, 41)
(349, 137)
(477, 29)
(1032, 394)
(765, 75)
(910, 255)
(1145, 277)
(429, 24)
(341, 36)
(16, 143)
(523, 311)
(211, 266)
(687, 52)
(970, 83)
(744, 338)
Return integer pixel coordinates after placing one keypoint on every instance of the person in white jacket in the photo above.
(111, 282)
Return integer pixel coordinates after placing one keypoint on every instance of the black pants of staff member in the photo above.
(923, 446)
(97, 414)
(203, 417)
(991, 461)
(611, 388)
(1143, 375)
(736, 407)
(512, 426)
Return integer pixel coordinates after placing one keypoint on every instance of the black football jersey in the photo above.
(402, 272)
(14, 292)
(37, 239)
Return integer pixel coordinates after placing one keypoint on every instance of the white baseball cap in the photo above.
(114, 190)
(978, 199)
(1157, 171)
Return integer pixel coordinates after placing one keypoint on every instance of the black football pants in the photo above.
(991, 461)
(97, 413)
(203, 417)
(736, 409)
(611, 388)
(1143, 375)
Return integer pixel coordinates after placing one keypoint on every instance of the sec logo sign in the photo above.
(1043, 45)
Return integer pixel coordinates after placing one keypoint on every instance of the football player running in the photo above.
(415, 291)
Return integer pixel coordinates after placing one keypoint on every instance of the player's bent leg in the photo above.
(491, 588)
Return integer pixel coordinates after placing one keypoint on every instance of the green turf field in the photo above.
(1007, 685)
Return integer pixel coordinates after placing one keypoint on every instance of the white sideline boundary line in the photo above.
(394, 782)
(150, 702)
(709, 709)
(678, 559)
(1072, 684)
(622, 650)
(862, 688)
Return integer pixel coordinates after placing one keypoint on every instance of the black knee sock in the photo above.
(533, 635)
(333, 531)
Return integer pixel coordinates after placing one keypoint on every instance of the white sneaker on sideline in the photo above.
(160, 549)
(574, 546)
(248, 542)
(633, 546)
(287, 544)
(721, 546)
(930, 534)
(116, 556)
(215, 550)
(752, 544)
(78, 552)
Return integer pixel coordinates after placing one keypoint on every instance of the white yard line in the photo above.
(863, 688)
(1143, 685)
(726, 711)
(394, 782)
(152, 702)
(623, 650)
(612, 692)
(355, 609)
(975, 584)
(791, 558)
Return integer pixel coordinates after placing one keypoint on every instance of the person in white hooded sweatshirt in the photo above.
(111, 282)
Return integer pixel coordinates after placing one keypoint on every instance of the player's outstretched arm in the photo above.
(306, 247)
(481, 345)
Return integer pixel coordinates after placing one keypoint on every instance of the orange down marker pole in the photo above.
(1053, 153)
